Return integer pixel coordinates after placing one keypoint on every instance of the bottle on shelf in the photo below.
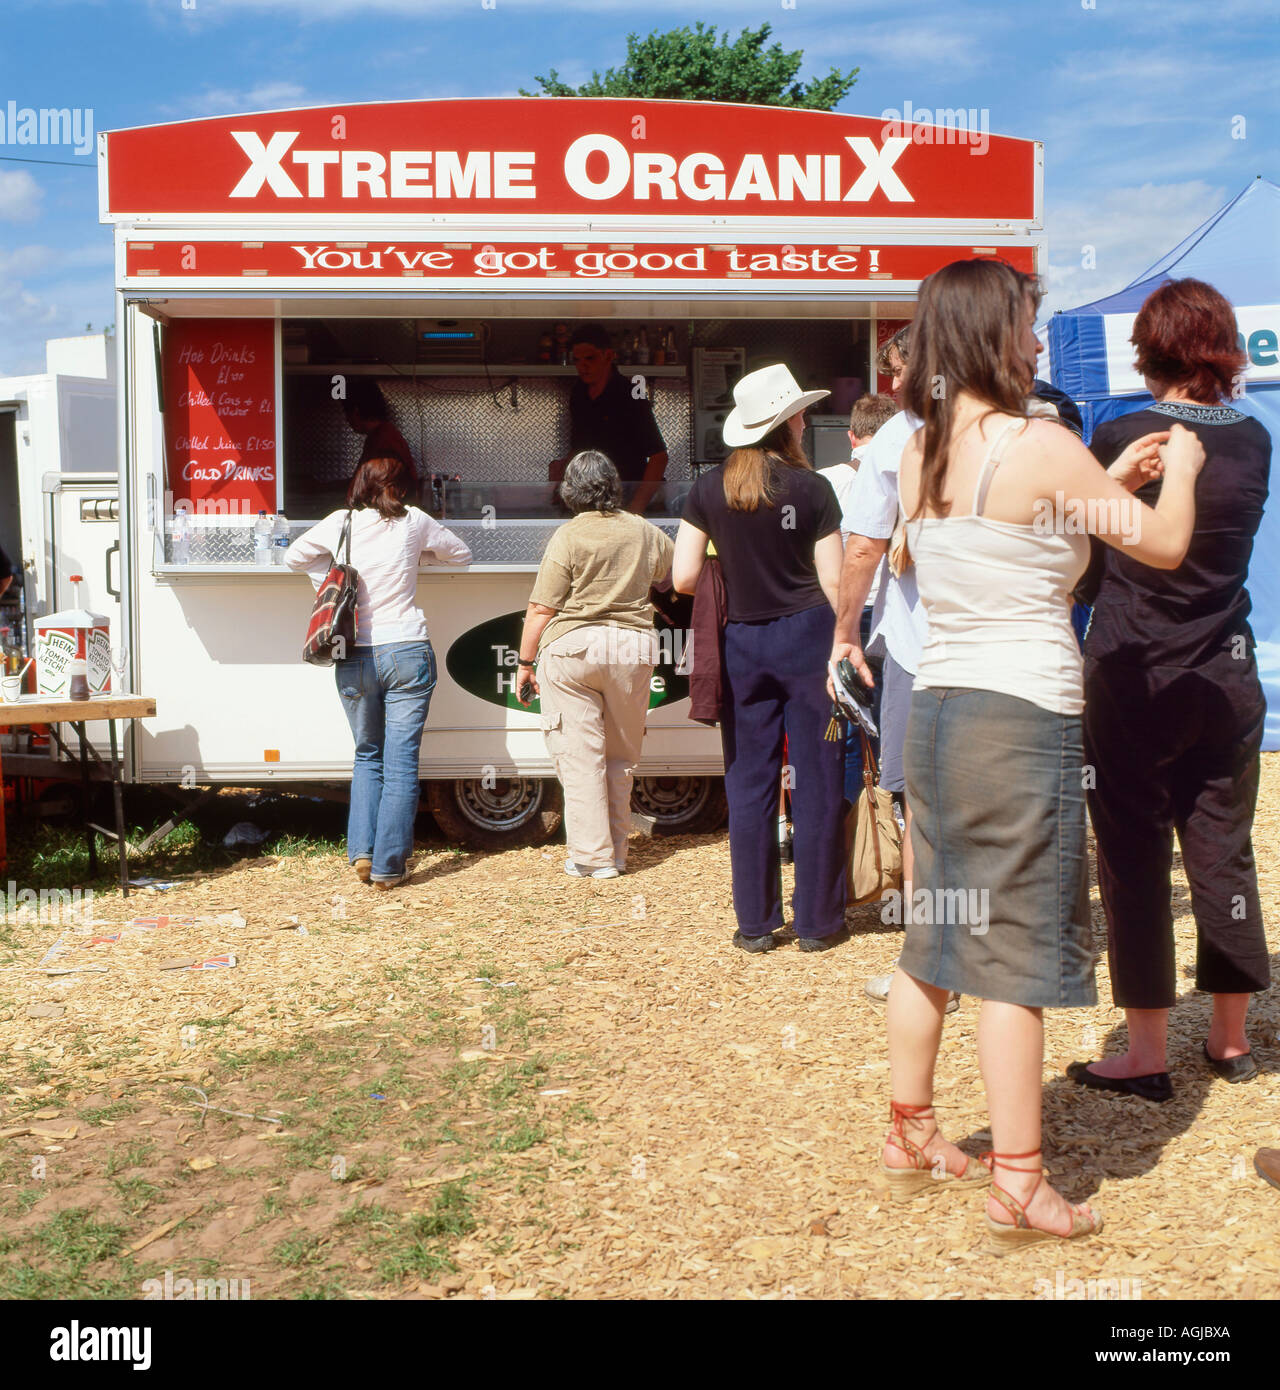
(279, 539)
(181, 551)
(623, 348)
(642, 349)
(672, 352)
(262, 539)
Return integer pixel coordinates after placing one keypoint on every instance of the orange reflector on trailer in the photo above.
(270, 755)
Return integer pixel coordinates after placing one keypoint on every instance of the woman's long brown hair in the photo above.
(380, 484)
(965, 338)
(750, 474)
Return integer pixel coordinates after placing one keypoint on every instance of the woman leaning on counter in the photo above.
(590, 624)
(385, 683)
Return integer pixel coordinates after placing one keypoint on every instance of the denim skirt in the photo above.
(1000, 903)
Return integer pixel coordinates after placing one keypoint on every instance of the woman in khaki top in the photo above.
(591, 624)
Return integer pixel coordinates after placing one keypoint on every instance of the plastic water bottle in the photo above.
(181, 536)
(262, 539)
(279, 539)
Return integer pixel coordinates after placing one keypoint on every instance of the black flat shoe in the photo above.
(823, 943)
(1233, 1069)
(767, 942)
(1155, 1086)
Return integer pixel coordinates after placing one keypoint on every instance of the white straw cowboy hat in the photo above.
(762, 400)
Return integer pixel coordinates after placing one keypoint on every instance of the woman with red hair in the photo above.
(1174, 709)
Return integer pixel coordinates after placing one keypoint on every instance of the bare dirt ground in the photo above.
(500, 1082)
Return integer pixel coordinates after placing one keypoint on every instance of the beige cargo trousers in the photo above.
(594, 684)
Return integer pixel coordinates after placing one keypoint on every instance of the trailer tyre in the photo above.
(489, 813)
(681, 805)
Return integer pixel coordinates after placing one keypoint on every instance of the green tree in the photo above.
(689, 65)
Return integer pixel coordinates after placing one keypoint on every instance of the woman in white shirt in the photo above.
(999, 510)
(386, 681)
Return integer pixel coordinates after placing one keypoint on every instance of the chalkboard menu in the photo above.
(220, 414)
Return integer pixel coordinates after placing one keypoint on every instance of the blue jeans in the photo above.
(386, 692)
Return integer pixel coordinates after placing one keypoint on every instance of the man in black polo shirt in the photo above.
(605, 414)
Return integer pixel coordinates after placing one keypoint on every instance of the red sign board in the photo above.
(586, 262)
(220, 413)
(555, 156)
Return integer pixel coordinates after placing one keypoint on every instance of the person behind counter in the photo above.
(591, 622)
(606, 415)
(365, 409)
(385, 684)
(8, 572)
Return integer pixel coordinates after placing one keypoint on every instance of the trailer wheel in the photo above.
(488, 813)
(681, 805)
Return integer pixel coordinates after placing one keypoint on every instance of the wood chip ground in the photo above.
(737, 1102)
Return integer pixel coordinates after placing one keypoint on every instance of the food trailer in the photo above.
(447, 249)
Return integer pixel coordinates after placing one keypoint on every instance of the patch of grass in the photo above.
(71, 1241)
(323, 1290)
(419, 1244)
(450, 1215)
(522, 1136)
(220, 1022)
(132, 1155)
(27, 1199)
(97, 1115)
(374, 1214)
(135, 1193)
(291, 846)
(297, 1250)
(39, 1069)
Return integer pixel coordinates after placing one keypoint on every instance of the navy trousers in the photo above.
(775, 683)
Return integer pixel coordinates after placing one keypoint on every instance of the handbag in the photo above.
(874, 864)
(899, 550)
(331, 634)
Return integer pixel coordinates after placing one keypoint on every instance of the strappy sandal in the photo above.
(905, 1183)
(1007, 1238)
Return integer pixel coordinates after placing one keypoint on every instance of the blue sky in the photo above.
(1136, 100)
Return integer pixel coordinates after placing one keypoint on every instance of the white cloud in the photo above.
(948, 43)
(20, 196)
(50, 292)
(1128, 230)
(233, 101)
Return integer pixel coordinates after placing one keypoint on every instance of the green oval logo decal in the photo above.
(483, 662)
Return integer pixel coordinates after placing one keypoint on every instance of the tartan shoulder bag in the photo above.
(331, 634)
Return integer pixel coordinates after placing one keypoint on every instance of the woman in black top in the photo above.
(775, 525)
(1174, 709)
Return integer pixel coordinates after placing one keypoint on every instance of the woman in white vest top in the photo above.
(999, 511)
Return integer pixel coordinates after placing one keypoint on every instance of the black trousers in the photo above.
(1175, 750)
